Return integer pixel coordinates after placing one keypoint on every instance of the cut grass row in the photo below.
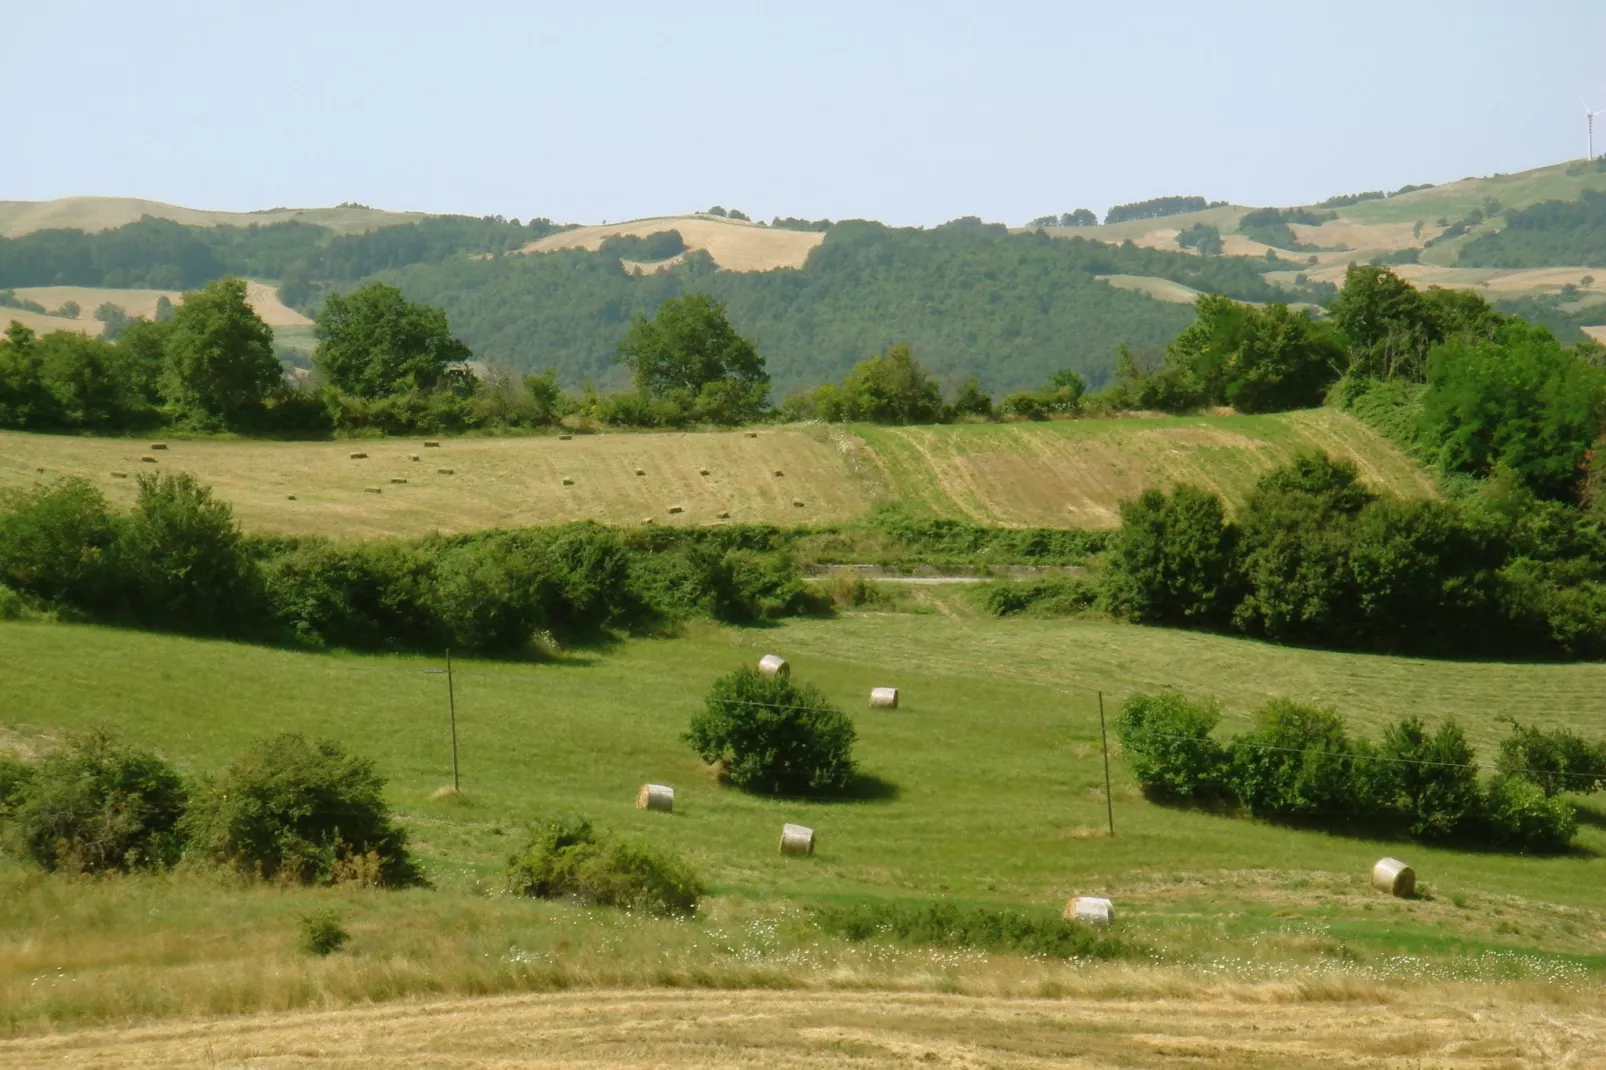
(1062, 474)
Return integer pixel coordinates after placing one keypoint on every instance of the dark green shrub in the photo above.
(16, 777)
(182, 561)
(364, 596)
(589, 569)
(12, 606)
(1431, 777)
(55, 541)
(1172, 562)
(754, 587)
(1554, 761)
(1298, 763)
(1522, 816)
(567, 859)
(774, 735)
(322, 933)
(1037, 598)
(298, 812)
(490, 595)
(97, 805)
(977, 928)
(1166, 740)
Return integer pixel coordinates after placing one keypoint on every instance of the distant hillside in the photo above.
(733, 244)
(94, 214)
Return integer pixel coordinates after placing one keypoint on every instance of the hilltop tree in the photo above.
(375, 342)
(689, 352)
(219, 361)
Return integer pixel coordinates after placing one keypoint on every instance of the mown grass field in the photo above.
(1063, 474)
(987, 788)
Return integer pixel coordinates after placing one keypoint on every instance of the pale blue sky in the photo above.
(909, 113)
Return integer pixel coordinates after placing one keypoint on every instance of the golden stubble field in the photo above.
(1158, 1021)
(1062, 474)
(735, 245)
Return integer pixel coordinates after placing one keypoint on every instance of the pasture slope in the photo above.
(987, 790)
(1061, 474)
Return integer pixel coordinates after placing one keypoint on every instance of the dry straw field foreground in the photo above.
(1063, 474)
(1155, 1021)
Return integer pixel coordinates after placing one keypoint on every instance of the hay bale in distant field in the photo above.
(656, 797)
(397, 480)
(779, 473)
(1394, 877)
(773, 665)
(564, 438)
(1091, 910)
(726, 515)
(702, 471)
(289, 497)
(359, 457)
(374, 490)
(646, 520)
(38, 469)
(147, 460)
(432, 445)
(119, 475)
(883, 698)
(797, 503)
(677, 508)
(641, 471)
(797, 839)
(752, 434)
(568, 481)
(446, 471)
(158, 445)
(412, 456)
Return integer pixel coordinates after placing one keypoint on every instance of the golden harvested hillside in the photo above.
(93, 214)
(261, 296)
(734, 244)
(1064, 474)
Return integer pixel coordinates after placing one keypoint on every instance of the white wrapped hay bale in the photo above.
(883, 698)
(773, 665)
(656, 797)
(797, 840)
(1091, 910)
(1394, 877)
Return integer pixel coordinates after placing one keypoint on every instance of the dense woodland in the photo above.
(1554, 232)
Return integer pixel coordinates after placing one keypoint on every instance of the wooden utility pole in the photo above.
(451, 705)
(1104, 736)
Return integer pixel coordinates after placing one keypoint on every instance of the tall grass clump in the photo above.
(300, 812)
(972, 928)
(566, 858)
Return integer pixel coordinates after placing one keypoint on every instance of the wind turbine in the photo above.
(1589, 121)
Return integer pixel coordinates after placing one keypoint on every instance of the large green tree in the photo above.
(374, 342)
(219, 362)
(689, 351)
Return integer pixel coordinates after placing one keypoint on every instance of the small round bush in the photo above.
(774, 735)
(322, 933)
(11, 604)
(566, 858)
(96, 806)
(1521, 815)
(1166, 740)
(299, 812)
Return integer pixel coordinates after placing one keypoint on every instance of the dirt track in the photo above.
(1277, 1026)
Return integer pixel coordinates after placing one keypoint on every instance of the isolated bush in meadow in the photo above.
(774, 735)
(300, 812)
(1166, 740)
(566, 858)
(95, 806)
(1431, 777)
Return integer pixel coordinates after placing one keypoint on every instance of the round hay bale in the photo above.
(797, 839)
(773, 665)
(158, 445)
(656, 797)
(432, 445)
(797, 503)
(779, 473)
(641, 471)
(702, 471)
(289, 497)
(359, 457)
(1394, 877)
(883, 698)
(1091, 910)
